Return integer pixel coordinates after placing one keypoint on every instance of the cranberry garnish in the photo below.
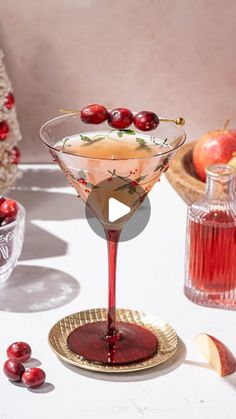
(133, 184)
(15, 155)
(13, 369)
(9, 208)
(94, 114)
(20, 351)
(33, 377)
(146, 121)
(120, 118)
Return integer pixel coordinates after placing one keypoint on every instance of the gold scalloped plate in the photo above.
(166, 335)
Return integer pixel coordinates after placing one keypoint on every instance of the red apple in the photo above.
(217, 354)
(214, 147)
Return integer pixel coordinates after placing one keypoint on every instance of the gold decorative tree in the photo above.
(9, 132)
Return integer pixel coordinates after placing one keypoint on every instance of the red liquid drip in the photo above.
(212, 253)
(112, 342)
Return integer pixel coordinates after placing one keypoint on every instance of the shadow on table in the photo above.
(42, 178)
(231, 379)
(197, 364)
(33, 192)
(40, 244)
(44, 388)
(32, 363)
(36, 288)
(167, 367)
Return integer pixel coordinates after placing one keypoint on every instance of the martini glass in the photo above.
(88, 158)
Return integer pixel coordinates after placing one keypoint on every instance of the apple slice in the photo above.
(217, 354)
(232, 162)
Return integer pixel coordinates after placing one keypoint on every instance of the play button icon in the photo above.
(116, 209)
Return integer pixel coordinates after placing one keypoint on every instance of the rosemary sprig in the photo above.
(89, 141)
(121, 132)
(64, 144)
(85, 139)
(141, 143)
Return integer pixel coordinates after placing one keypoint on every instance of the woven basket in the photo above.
(182, 176)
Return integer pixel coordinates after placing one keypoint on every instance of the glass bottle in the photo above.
(210, 258)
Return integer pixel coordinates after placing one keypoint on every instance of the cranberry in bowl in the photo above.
(12, 229)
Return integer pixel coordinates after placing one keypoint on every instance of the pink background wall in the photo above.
(177, 58)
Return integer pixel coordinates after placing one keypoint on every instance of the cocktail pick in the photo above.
(69, 111)
(178, 121)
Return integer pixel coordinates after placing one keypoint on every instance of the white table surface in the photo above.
(63, 269)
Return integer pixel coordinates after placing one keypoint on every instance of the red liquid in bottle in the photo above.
(212, 253)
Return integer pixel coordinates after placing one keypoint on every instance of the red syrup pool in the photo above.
(133, 343)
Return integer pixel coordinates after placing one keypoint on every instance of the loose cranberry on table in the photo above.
(146, 121)
(20, 351)
(94, 114)
(13, 369)
(33, 377)
(120, 118)
(8, 208)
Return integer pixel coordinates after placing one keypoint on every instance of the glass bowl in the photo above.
(11, 243)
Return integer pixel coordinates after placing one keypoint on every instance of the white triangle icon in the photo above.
(116, 209)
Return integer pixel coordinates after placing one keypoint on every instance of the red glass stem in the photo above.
(112, 237)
